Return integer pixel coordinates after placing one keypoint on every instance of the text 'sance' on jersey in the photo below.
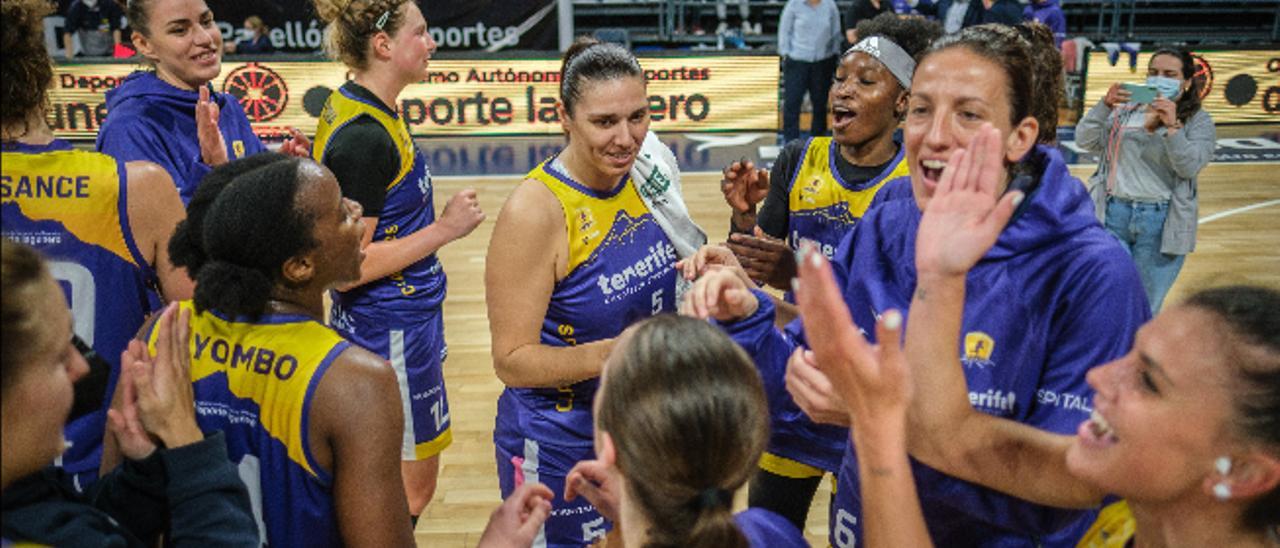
(71, 205)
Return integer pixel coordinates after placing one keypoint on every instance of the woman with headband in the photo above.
(580, 251)
(395, 308)
(817, 190)
(1055, 295)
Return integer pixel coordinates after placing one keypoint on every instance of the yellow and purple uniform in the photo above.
(620, 270)
(71, 205)
(822, 206)
(398, 317)
(256, 382)
(1114, 528)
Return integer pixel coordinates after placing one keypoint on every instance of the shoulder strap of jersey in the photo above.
(341, 109)
(815, 154)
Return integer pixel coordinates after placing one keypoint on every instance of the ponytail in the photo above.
(674, 379)
(232, 289)
(591, 59)
(1047, 79)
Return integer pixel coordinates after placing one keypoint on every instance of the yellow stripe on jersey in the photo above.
(340, 110)
(1113, 528)
(815, 185)
(270, 364)
(78, 188)
(787, 468)
(588, 219)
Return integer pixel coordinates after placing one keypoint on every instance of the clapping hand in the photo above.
(213, 148)
(157, 399)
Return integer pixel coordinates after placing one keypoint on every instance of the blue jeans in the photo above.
(1138, 226)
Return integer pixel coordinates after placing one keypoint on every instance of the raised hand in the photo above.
(744, 185)
(710, 257)
(516, 522)
(595, 481)
(1116, 95)
(873, 381)
(966, 214)
(122, 420)
(764, 258)
(462, 214)
(298, 144)
(722, 294)
(1161, 112)
(812, 390)
(162, 384)
(213, 148)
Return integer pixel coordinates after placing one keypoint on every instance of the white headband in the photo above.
(891, 55)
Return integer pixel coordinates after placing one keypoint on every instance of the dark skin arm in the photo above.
(356, 431)
(766, 259)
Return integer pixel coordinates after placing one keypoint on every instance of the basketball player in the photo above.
(576, 257)
(394, 308)
(104, 225)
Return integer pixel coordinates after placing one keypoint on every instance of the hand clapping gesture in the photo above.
(156, 401)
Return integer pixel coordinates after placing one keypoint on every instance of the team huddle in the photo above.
(246, 346)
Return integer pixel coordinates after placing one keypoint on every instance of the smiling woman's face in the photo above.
(953, 93)
(183, 41)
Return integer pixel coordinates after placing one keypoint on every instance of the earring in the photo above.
(1223, 465)
(1222, 491)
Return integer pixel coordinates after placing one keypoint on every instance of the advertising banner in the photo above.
(1241, 86)
(476, 25)
(459, 97)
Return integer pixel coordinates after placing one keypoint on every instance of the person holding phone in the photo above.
(1144, 190)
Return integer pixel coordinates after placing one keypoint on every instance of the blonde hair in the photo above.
(351, 23)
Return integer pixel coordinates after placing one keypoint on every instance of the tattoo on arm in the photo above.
(921, 293)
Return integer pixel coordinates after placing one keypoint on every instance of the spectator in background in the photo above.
(1144, 189)
(860, 10)
(97, 22)
(808, 42)
(1006, 12)
(1049, 13)
(951, 13)
(255, 38)
(744, 13)
(958, 14)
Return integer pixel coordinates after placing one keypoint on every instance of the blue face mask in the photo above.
(1169, 88)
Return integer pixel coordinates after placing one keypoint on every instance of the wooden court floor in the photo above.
(1242, 247)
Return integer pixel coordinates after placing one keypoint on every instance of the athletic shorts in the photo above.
(417, 353)
(571, 524)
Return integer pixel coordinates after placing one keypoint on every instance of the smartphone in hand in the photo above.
(1140, 93)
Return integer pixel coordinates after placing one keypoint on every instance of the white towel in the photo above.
(657, 177)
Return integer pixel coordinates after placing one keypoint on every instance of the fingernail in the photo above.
(795, 285)
(1018, 199)
(893, 319)
(815, 258)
